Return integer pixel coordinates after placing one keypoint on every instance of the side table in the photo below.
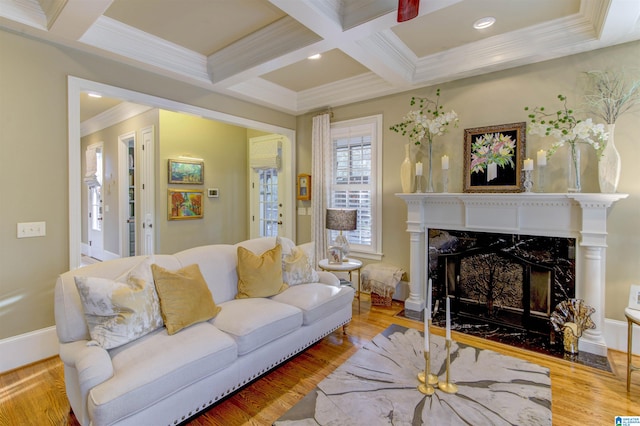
(348, 266)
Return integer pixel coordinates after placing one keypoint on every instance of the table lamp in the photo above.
(342, 220)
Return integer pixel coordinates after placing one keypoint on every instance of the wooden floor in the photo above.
(35, 395)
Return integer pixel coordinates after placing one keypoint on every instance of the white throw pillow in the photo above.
(122, 310)
(297, 268)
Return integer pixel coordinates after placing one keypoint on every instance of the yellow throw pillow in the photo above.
(260, 276)
(184, 296)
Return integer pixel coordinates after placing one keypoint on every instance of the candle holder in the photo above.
(425, 387)
(445, 180)
(541, 178)
(431, 378)
(418, 183)
(527, 181)
(447, 386)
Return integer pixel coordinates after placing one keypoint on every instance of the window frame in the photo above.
(371, 125)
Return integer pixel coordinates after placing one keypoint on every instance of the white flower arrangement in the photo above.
(427, 121)
(566, 128)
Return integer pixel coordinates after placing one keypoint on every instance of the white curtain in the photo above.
(266, 154)
(321, 157)
(90, 175)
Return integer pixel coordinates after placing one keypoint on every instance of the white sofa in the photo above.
(165, 379)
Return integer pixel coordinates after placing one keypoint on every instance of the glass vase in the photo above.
(430, 176)
(575, 182)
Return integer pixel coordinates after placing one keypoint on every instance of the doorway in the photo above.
(76, 86)
(94, 178)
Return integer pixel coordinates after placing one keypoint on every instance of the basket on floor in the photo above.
(377, 300)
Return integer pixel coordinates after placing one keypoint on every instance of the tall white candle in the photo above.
(542, 158)
(426, 332)
(528, 164)
(448, 336)
(445, 162)
(427, 315)
(418, 169)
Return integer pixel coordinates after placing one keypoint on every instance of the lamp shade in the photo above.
(342, 219)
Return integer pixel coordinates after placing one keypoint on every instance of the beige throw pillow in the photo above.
(297, 268)
(120, 311)
(185, 298)
(260, 276)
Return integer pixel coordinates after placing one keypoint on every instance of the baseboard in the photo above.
(615, 334)
(18, 351)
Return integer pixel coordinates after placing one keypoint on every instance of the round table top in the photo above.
(633, 315)
(350, 265)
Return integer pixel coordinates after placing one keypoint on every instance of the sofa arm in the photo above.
(328, 278)
(87, 367)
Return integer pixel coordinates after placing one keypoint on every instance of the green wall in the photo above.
(500, 98)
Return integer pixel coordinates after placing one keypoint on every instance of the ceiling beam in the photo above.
(76, 17)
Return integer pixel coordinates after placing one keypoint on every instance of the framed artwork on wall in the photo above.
(186, 171)
(185, 204)
(304, 187)
(493, 158)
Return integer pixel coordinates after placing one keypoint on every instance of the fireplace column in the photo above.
(590, 284)
(418, 255)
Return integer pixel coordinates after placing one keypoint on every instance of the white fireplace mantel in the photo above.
(574, 215)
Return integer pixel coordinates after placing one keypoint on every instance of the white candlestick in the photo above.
(418, 169)
(542, 158)
(445, 162)
(448, 336)
(426, 332)
(428, 308)
(528, 164)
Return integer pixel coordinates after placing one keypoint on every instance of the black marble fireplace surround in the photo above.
(504, 287)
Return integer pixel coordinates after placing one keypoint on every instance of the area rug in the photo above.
(378, 385)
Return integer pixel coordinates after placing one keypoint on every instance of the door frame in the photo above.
(78, 85)
(123, 188)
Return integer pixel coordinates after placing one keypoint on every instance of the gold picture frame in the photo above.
(185, 204)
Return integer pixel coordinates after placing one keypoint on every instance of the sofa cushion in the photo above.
(297, 268)
(316, 300)
(146, 371)
(255, 322)
(185, 298)
(260, 275)
(119, 311)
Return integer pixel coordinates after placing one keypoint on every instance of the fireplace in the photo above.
(508, 280)
(577, 217)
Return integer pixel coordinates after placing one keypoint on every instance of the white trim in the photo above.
(18, 351)
(123, 189)
(615, 333)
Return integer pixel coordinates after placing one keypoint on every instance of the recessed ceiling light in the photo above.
(94, 95)
(483, 23)
(316, 56)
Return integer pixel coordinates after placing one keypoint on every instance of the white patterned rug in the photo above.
(378, 386)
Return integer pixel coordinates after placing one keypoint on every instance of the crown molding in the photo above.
(112, 116)
(266, 93)
(115, 37)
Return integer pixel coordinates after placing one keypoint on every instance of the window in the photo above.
(355, 180)
(268, 187)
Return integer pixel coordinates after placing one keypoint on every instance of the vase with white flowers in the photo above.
(567, 129)
(424, 123)
(610, 94)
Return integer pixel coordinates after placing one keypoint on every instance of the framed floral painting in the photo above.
(493, 158)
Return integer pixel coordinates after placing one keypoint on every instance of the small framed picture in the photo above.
(634, 297)
(186, 171)
(334, 254)
(304, 187)
(185, 204)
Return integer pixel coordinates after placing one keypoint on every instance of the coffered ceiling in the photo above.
(258, 50)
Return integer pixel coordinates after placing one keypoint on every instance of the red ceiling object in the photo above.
(407, 9)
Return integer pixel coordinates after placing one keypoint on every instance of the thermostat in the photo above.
(213, 193)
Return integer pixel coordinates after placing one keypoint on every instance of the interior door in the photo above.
(270, 187)
(95, 220)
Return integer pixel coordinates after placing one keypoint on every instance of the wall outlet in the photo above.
(32, 229)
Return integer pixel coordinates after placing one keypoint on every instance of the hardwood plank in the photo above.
(35, 395)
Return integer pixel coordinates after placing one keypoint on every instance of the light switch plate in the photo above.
(32, 229)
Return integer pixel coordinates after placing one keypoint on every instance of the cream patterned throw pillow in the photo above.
(297, 268)
(120, 311)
